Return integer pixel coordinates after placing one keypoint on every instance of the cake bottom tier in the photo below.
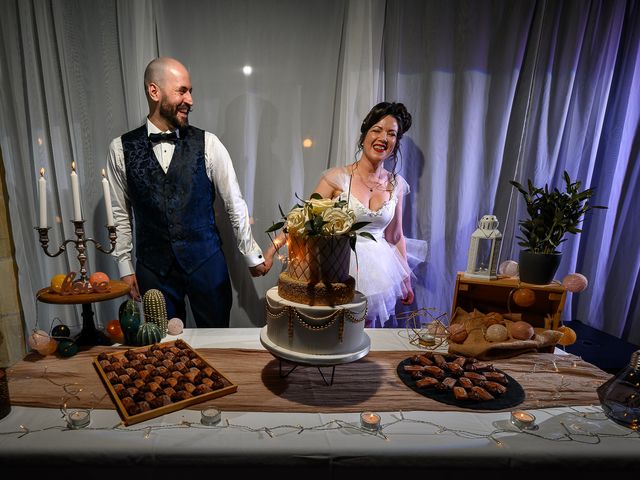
(320, 293)
(316, 330)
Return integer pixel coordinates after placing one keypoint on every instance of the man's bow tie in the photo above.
(163, 137)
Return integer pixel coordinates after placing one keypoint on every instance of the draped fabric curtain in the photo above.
(498, 90)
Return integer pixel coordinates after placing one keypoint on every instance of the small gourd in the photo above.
(148, 333)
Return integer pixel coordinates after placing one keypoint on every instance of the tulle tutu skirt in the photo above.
(380, 272)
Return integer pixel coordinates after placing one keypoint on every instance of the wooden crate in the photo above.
(131, 419)
(496, 296)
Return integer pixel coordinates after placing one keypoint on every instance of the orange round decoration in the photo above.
(48, 349)
(57, 281)
(114, 331)
(524, 297)
(568, 336)
(97, 278)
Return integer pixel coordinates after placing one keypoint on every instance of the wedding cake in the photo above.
(315, 309)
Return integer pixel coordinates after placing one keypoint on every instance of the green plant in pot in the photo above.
(552, 215)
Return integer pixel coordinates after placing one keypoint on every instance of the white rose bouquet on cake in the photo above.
(321, 217)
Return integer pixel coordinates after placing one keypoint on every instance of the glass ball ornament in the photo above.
(508, 268)
(114, 331)
(175, 326)
(67, 348)
(524, 297)
(61, 331)
(575, 282)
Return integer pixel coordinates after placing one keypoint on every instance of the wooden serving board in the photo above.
(225, 386)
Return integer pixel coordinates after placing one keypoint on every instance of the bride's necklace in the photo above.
(375, 186)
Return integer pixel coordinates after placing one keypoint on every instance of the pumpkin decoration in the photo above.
(148, 333)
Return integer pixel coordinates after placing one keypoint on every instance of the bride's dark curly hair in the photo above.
(379, 111)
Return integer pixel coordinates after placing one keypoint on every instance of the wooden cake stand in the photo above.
(89, 334)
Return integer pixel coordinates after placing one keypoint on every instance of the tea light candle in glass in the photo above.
(210, 416)
(370, 421)
(79, 418)
(522, 419)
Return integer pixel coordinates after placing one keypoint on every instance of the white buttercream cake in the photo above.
(316, 329)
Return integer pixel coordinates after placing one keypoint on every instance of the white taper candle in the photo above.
(42, 191)
(107, 198)
(75, 191)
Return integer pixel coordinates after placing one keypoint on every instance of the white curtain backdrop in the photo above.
(498, 90)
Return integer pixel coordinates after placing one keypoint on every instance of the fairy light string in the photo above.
(567, 433)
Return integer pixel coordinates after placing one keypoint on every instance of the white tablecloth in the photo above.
(567, 440)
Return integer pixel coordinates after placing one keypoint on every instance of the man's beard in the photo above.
(170, 113)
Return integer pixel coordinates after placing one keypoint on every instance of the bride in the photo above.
(381, 267)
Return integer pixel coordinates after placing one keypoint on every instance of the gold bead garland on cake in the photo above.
(292, 312)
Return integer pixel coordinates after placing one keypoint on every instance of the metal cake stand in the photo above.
(312, 360)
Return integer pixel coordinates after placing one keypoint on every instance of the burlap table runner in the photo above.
(370, 383)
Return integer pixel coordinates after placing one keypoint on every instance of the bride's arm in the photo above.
(325, 189)
(395, 236)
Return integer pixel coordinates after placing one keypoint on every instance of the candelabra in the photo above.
(80, 243)
(84, 293)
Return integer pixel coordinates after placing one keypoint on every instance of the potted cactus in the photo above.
(552, 215)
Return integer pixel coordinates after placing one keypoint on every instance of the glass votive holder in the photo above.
(370, 421)
(523, 420)
(210, 416)
(78, 418)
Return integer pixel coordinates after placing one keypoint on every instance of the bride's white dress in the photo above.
(378, 267)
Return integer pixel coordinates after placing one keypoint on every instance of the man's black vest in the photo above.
(173, 212)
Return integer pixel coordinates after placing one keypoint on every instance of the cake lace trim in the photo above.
(293, 314)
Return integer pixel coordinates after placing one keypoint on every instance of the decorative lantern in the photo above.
(484, 249)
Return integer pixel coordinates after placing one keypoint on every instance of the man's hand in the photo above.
(132, 281)
(259, 270)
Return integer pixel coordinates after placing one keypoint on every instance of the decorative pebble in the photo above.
(38, 339)
(524, 297)
(568, 337)
(493, 318)
(496, 333)
(575, 282)
(457, 333)
(509, 268)
(522, 330)
(175, 326)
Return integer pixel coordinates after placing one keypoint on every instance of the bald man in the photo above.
(164, 177)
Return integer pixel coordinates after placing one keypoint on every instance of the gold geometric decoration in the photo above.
(426, 327)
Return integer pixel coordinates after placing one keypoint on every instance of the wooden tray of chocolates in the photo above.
(151, 381)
